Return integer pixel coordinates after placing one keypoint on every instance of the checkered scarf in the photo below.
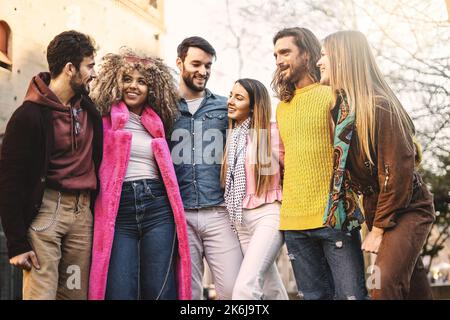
(235, 183)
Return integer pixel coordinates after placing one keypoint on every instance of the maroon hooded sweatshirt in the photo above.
(29, 145)
(71, 166)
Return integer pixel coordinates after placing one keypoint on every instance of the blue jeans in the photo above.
(327, 263)
(144, 246)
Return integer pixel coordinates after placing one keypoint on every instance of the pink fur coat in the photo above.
(116, 153)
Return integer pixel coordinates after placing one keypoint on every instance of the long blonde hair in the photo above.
(354, 70)
(162, 91)
(260, 110)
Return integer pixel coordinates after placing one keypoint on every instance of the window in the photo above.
(153, 3)
(5, 45)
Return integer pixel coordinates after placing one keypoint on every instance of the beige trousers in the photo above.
(61, 236)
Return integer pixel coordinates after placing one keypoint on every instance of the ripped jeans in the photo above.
(327, 264)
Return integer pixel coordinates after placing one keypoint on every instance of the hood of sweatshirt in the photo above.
(38, 92)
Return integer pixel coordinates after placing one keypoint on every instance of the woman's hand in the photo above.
(373, 240)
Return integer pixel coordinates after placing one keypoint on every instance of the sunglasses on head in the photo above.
(135, 59)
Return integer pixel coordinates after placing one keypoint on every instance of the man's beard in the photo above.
(295, 75)
(78, 87)
(283, 86)
(189, 81)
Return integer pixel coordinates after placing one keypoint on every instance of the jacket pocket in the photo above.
(47, 215)
(215, 115)
(215, 120)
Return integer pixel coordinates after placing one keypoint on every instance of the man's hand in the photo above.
(373, 240)
(25, 260)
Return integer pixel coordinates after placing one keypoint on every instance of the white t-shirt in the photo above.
(194, 104)
(142, 163)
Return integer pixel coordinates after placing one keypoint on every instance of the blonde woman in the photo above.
(140, 243)
(252, 178)
(375, 157)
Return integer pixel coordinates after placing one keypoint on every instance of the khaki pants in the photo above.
(61, 236)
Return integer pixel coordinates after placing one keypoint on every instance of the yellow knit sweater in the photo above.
(303, 124)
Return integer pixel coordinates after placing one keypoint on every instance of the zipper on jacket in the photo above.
(386, 180)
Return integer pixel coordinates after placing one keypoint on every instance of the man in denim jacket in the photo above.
(197, 143)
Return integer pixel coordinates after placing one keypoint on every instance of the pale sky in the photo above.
(207, 18)
(198, 18)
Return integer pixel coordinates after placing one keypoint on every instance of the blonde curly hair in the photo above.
(162, 91)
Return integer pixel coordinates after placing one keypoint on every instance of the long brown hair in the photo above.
(162, 91)
(353, 69)
(260, 112)
(307, 42)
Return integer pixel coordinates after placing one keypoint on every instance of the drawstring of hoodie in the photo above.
(73, 138)
(40, 93)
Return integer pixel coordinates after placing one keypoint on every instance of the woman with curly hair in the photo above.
(140, 246)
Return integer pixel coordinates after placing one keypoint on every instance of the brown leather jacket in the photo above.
(391, 186)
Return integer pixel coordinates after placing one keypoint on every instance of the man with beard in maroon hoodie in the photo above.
(49, 167)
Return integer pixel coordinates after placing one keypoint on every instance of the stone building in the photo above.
(27, 26)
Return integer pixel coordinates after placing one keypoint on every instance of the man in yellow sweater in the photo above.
(327, 263)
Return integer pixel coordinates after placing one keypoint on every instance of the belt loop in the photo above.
(146, 187)
(77, 202)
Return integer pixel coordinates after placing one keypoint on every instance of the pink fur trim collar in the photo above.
(149, 118)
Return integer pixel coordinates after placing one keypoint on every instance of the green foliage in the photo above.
(439, 184)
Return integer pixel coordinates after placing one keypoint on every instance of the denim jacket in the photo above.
(197, 143)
